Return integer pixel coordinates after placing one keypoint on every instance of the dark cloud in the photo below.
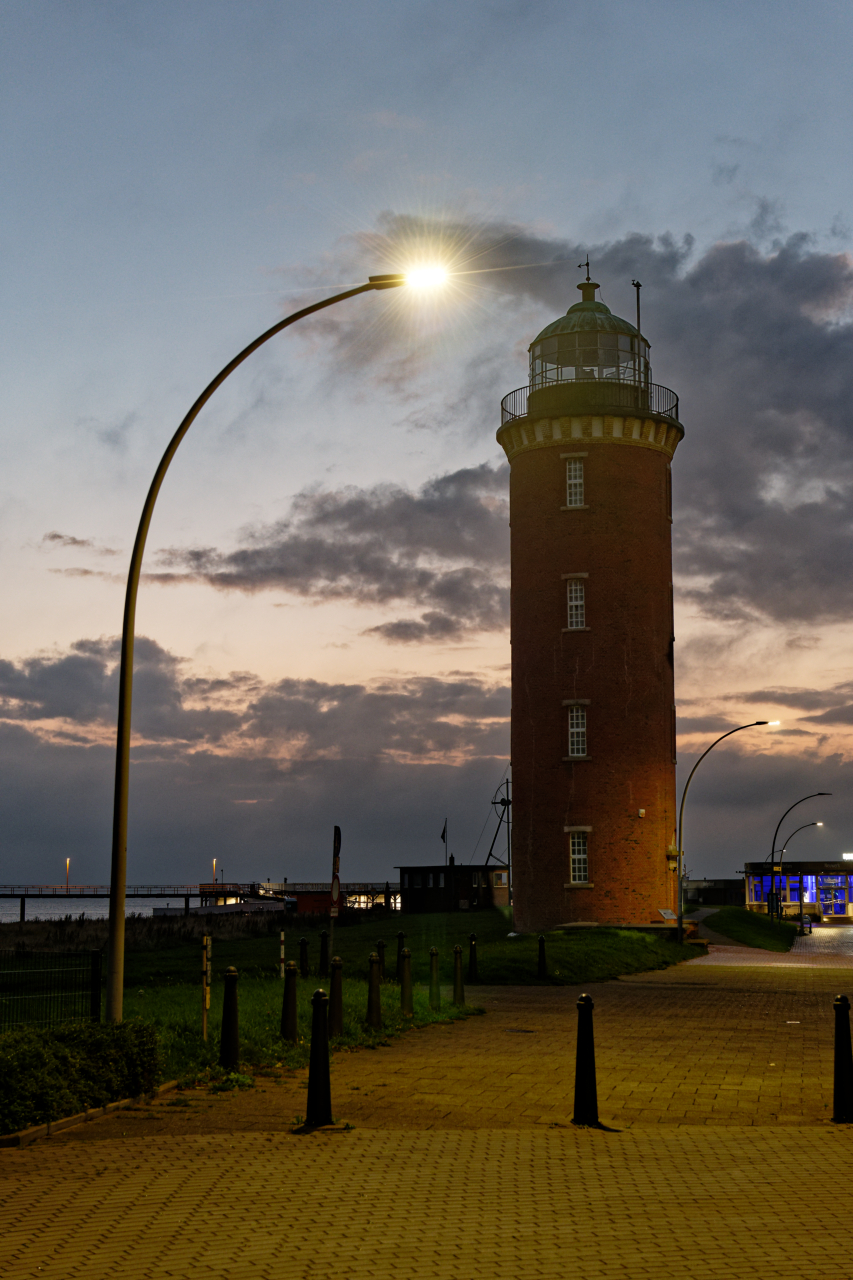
(444, 548)
(252, 773)
(758, 345)
(66, 540)
(798, 699)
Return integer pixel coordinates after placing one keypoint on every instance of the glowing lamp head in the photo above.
(427, 276)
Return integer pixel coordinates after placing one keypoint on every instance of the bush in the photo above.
(47, 1074)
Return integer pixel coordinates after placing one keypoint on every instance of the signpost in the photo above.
(207, 941)
(336, 887)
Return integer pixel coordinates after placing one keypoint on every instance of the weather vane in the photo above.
(585, 264)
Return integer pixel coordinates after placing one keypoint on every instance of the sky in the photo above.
(323, 616)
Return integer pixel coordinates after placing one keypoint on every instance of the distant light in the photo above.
(820, 824)
(772, 722)
(429, 276)
(848, 857)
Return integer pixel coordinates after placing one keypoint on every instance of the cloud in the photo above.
(443, 548)
(253, 773)
(758, 345)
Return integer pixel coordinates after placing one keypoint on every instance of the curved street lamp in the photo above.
(118, 864)
(680, 850)
(771, 903)
(782, 853)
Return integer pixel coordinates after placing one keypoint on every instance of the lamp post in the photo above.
(771, 903)
(118, 863)
(782, 853)
(739, 729)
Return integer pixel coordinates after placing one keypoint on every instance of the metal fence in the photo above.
(557, 398)
(41, 988)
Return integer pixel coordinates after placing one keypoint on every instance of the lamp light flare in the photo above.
(428, 276)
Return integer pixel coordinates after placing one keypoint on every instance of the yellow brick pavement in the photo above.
(720, 1162)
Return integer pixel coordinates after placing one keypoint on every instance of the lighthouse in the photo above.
(590, 441)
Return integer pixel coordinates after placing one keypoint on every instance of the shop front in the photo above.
(825, 889)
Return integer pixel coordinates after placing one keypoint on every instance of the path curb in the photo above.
(24, 1137)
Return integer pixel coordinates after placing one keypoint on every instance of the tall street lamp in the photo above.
(423, 276)
(782, 853)
(739, 729)
(772, 901)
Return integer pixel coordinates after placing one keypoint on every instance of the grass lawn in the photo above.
(576, 955)
(752, 930)
(163, 986)
(175, 1011)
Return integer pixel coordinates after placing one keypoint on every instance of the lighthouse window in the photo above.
(574, 483)
(580, 857)
(577, 606)
(577, 731)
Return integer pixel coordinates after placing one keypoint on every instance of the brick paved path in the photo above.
(721, 1162)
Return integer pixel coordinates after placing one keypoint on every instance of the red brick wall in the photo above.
(622, 664)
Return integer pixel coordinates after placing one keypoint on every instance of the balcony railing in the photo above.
(582, 394)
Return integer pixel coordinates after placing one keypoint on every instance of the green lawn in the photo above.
(752, 930)
(574, 955)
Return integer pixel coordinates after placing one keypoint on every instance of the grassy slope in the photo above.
(578, 955)
(752, 930)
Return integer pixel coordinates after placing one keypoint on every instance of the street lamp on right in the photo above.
(753, 725)
(771, 904)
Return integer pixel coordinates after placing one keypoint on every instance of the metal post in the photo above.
(586, 1094)
(303, 957)
(458, 988)
(374, 999)
(289, 1025)
(319, 1107)
(229, 1044)
(542, 968)
(842, 1094)
(205, 990)
(473, 974)
(95, 993)
(434, 986)
(324, 954)
(281, 956)
(23, 910)
(401, 942)
(407, 1007)
(118, 861)
(336, 998)
(380, 947)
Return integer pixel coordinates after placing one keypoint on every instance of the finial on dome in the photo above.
(589, 287)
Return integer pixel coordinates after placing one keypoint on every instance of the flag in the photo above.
(444, 832)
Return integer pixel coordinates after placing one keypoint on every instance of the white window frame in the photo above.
(576, 604)
(578, 857)
(574, 482)
(578, 727)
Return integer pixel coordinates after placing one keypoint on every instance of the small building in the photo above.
(453, 887)
(714, 893)
(824, 888)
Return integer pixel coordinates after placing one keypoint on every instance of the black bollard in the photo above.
(324, 954)
(407, 1007)
(542, 971)
(473, 976)
(319, 1107)
(401, 942)
(842, 1096)
(374, 1000)
(289, 1029)
(434, 988)
(380, 947)
(458, 988)
(229, 1043)
(303, 957)
(336, 998)
(586, 1095)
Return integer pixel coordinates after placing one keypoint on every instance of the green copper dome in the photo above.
(587, 315)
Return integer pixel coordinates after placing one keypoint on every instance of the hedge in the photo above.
(48, 1074)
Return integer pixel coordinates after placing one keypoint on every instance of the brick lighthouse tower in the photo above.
(590, 442)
